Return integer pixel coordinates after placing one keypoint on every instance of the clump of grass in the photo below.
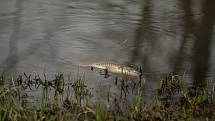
(181, 102)
(169, 85)
(138, 108)
(101, 115)
(124, 85)
(10, 109)
(2, 78)
(81, 91)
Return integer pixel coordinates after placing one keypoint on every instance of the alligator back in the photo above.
(115, 68)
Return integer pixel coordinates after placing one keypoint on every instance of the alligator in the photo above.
(115, 68)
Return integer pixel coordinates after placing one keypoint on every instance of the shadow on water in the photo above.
(200, 34)
(203, 37)
(187, 29)
(144, 35)
(12, 59)
(146, 38)
(144, 42)
(202, 44)
(40, 47)
(47, 45)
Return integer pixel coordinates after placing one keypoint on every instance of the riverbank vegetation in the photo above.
(62, 100)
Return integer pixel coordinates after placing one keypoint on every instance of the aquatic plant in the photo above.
(175, 101)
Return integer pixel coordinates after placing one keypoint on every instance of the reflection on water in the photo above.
(57, 36)
(145, 37)
(12, 59)
(201, 51)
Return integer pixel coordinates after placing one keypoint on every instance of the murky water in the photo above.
(58, 35)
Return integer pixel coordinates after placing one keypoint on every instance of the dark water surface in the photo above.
(58, 35)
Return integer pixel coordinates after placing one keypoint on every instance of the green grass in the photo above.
(61, 101)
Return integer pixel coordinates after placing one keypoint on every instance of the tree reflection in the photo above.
(187, 29)
(41, 47)
(201, 51)
(143, 34)
(12, 59)
(202, 38)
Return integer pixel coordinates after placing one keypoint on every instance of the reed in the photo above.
(175, 101)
